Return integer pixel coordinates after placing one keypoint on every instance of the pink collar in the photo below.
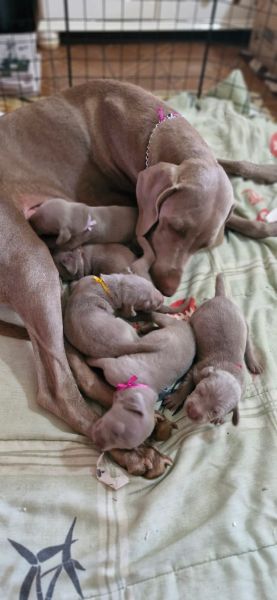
(130, 384)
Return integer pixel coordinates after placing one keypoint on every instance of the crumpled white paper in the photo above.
(110, 474)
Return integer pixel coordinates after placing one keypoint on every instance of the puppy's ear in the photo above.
(235, 416)
(118, 428)
(64, 236)
(127, 311)
(69, 262)
(206, 372)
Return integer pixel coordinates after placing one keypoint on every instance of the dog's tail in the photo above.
(219, 285)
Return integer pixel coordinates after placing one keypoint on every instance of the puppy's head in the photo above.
(129, 422)
(217, 394)
(135, 293)
(146, 297)
(70, 264)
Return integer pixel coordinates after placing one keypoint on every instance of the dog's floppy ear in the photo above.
(64, 236)
(206, 372)
(69, 262)
(154, 185)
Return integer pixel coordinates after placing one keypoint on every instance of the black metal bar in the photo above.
(236, 37)
(207, 48)
(68, 47)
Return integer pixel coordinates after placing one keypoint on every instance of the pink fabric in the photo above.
(261, 216)
(130, 383)
(90, 224)
(252, 196)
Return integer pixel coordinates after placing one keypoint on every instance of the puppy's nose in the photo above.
(193, 411)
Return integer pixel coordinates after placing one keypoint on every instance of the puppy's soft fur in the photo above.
(91, 318)
(93, 259)
(222, 344)
(79, 223)
(131, 419)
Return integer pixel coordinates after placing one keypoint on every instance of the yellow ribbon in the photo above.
(102, 283)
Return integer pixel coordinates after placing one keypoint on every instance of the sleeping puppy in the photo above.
(214, 386)
(79, 223)
(91, 317)
(138, 379)
(93, 259)
(130, 420)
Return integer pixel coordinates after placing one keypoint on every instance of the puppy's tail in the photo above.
(219, 285)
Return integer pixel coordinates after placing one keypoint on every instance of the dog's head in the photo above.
(182, 208)
(134, 293)
(217, 394)
(129, 422)
(69, 263)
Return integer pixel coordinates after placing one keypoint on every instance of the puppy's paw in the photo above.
(255, 366)
(220, 421)
(163, 428)
(173, 402)
(145, 460)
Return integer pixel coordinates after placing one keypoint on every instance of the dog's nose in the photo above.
(168, 282)
(193, 412)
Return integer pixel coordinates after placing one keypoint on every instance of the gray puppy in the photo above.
(91, 316)
(141, 377)
(81, 223)
(93, 259)
(222, 343)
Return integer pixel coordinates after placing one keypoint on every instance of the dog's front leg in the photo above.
(87, 380)
(254, 229)
(30, 284)
(248, 170)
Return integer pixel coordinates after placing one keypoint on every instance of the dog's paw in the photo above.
(145, 461)
(163, 428)
(255, 366)
(173, 403)
(220, 421)
(271, 229)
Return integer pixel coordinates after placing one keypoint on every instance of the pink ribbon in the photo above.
(130, 384)
(90, 224)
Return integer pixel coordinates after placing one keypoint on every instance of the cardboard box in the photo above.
(263, 43)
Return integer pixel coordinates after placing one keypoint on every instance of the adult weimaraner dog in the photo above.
(91, 144)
